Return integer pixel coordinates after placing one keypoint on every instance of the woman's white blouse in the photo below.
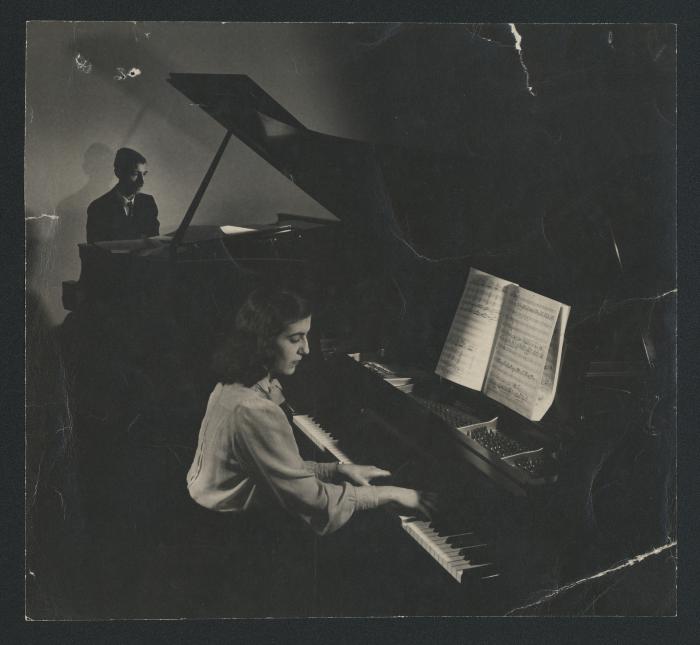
(245, 440)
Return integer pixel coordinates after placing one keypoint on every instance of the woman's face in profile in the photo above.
(291, 346)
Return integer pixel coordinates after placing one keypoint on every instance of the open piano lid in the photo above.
(433, 198)
(319, 164)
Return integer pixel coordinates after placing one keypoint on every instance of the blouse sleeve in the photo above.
(325, 471)
(265, 444)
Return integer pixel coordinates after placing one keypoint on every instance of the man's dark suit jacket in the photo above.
(107, 220)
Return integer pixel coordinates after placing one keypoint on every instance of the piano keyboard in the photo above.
(455, 553)
(454, 550)
(320, 437)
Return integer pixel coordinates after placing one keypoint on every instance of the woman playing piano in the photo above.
(247, 461)
(259, 558)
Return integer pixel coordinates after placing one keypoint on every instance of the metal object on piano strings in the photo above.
(515, 464)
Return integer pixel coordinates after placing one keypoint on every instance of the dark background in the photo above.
(60, 182)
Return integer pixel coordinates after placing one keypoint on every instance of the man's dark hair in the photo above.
(126, 159)
(247, 355)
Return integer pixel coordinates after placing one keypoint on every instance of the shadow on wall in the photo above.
(52, 255)
(98, 166)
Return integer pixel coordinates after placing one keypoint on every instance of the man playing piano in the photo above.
(124, 213)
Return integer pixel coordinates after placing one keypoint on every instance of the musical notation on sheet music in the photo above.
(522, 344)
(465, 355)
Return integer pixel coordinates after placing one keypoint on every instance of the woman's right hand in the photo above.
(407, 501)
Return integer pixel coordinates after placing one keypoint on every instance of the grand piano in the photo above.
(527, 506)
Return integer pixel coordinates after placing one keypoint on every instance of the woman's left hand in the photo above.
(360, 475)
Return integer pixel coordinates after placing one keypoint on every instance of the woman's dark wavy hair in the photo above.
(247, 354)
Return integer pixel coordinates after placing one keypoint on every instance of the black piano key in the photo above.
(471, 572)
(476, 554)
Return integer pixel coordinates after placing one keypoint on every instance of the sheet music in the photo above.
(234, 230)
(547, 383)
(550, 376)
(521, 350)
(465, 355)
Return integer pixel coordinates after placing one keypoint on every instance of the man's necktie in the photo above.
(129, 208)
